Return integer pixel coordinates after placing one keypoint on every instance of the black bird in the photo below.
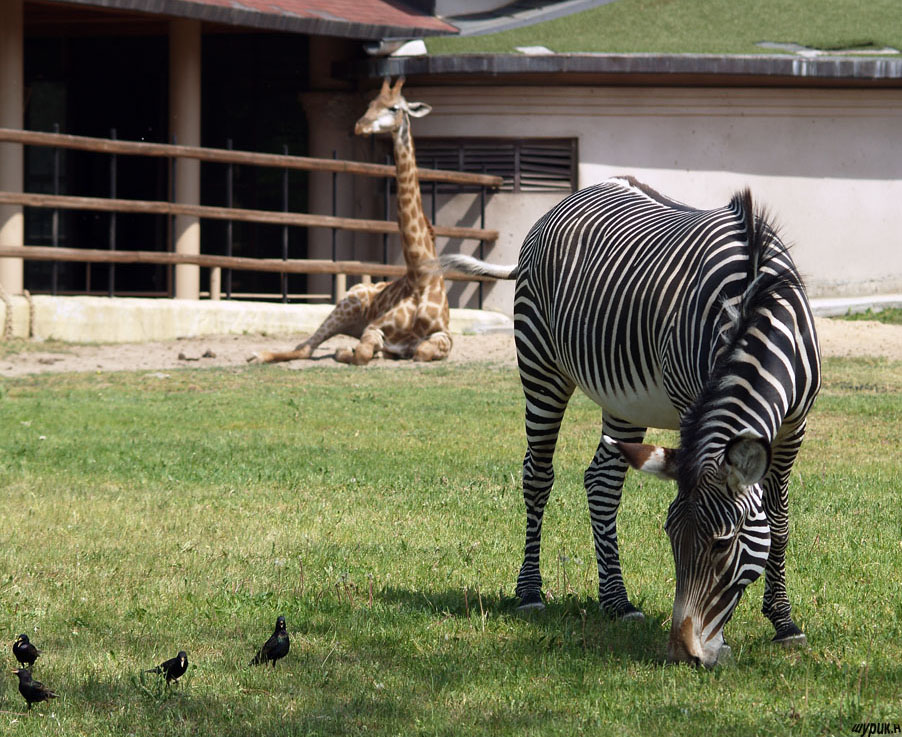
(275, 647)
(174, 668)
(24, 652)
(32, 691)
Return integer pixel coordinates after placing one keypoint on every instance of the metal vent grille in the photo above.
(527, 165)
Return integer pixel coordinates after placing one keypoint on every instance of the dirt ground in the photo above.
(837, 337)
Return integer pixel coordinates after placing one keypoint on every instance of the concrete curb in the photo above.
(135, 320)
(831, 307)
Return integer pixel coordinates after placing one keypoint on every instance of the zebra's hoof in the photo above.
(791, 639)
(634, 615)
(628, 613)
(531, 602)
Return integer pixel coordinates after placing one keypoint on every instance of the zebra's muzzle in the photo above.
(685, 645)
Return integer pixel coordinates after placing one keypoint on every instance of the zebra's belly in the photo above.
(647, 407)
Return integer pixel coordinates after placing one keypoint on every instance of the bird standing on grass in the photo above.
(32, 691)
(275, 647)
(174, 668)
(24, 652)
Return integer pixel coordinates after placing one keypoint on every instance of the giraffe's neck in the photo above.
(417, 240)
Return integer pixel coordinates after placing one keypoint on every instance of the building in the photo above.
(194, 72)
(815, 137)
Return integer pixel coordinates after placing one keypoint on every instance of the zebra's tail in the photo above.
(475, 267)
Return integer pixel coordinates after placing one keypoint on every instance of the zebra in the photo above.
(670, 317)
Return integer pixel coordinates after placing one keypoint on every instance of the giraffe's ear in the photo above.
(654, 459)
(418, 109)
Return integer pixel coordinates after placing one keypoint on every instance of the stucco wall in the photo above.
(826, 163)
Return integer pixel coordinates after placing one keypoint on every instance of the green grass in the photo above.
(699, 26)
(380, 512)
(889, 315)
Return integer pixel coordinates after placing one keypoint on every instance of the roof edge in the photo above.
(239, 15)
(629, 68)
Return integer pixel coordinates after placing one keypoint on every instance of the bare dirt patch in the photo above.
(837, 337)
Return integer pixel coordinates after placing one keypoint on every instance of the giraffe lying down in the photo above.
(408, 317)
(387, 319)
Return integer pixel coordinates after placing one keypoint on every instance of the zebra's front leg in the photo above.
(776, 605)
(544, 412)
(604, 486)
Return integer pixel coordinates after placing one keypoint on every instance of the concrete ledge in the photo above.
(831, 307)
(127, 320)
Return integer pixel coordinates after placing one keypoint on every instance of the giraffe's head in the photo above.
(388, 111)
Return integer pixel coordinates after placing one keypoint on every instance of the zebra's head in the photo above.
(389, 112)
(718, 532)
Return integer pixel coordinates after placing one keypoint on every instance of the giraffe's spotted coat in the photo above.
(408, 317)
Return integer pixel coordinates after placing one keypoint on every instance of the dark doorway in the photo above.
(110, 86)
(251, 97)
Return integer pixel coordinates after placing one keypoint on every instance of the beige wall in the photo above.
(826, 163)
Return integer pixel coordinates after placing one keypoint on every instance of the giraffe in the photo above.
(407, 317)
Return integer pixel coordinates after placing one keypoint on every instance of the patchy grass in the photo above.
(15, 346)
(699, 26)
(889, 315)
(380, 512)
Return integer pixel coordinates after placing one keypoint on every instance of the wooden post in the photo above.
(341, 287)
(215, 283)
(12, 75)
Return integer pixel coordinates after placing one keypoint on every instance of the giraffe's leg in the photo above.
(371, 343)
(546, 400)
(347, 318)
(776, 605)
(434, 348)
(604, 486)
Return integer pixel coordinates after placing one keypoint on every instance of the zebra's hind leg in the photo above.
(604, 486)
(546, 401)
(776, 605)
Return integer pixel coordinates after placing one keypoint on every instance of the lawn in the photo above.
(699, 26)
(888, 315)
(379, 511)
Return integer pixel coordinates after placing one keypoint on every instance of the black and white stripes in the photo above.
(669, 317)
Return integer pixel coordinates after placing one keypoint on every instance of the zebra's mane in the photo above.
(770, 274)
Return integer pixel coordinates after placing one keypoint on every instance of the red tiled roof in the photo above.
(369, 19)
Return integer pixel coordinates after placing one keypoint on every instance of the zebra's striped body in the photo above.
(669, 317)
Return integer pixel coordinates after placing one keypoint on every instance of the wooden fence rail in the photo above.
(155, 207)
(229, 156)
(166, 258)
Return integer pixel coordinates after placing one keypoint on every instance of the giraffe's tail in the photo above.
(474, 267)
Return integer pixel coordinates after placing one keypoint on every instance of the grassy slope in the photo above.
(144, 515)
(699, 26)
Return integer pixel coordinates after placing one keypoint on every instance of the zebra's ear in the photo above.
(747, 458)
(654, 459)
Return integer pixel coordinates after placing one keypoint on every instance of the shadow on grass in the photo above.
(570, 622)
